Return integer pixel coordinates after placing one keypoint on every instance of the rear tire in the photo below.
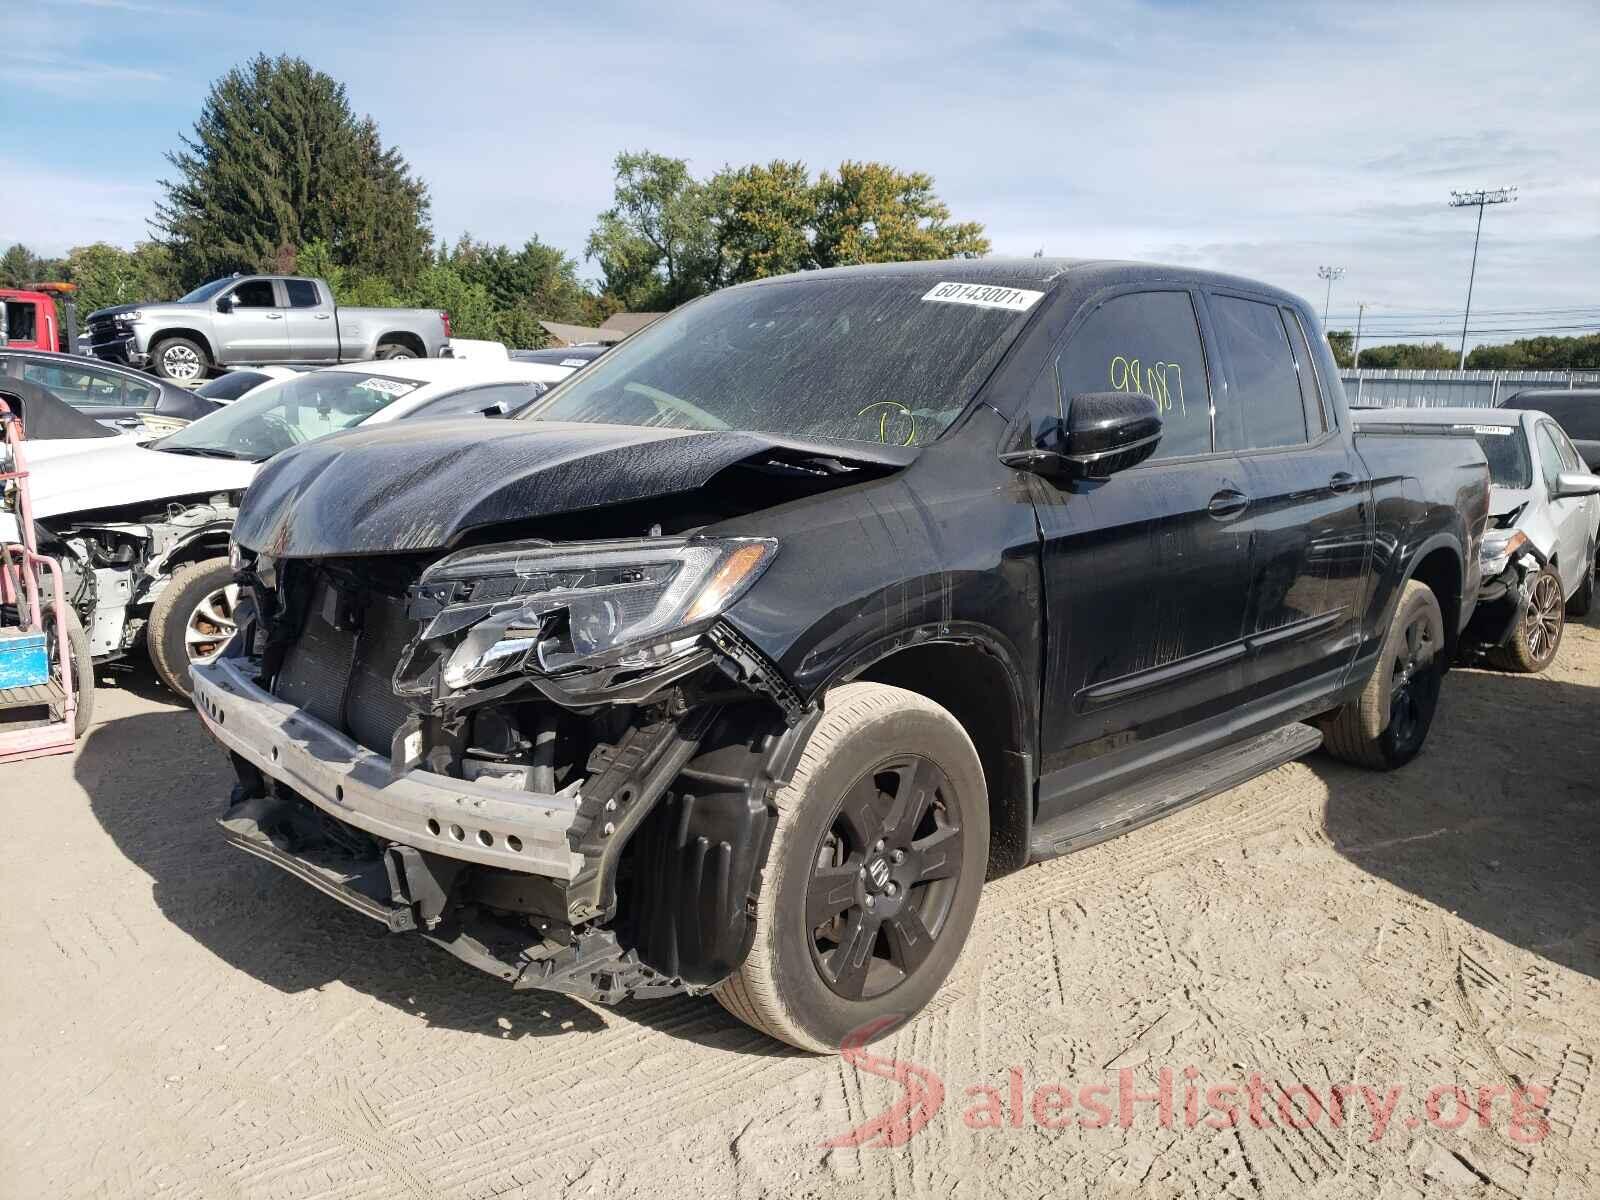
(874, 873)
(1537, 638)
(180, 359)
(395, 350)
(197, 602)
(1387, 724)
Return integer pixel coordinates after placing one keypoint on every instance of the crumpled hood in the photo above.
(418, 485)
(124, 472)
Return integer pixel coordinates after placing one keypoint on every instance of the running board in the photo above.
(1172, 789)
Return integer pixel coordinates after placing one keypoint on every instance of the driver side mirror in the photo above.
(225, 305)
(1102, 433)
(1576, 483)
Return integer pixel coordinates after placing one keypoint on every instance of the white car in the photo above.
(1537, 559)
(142, 530)
(239, 383)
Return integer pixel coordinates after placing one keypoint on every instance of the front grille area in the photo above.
(345, 679)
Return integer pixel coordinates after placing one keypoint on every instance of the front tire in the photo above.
(1387, 724)
(191, 621)
(77, 645)
(1532, 647)
(180, 359)
(874, 873)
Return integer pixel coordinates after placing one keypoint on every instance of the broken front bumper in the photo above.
(476, 822)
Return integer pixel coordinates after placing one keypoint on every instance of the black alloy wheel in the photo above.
(885, 877)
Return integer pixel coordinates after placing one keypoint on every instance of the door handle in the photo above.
(323, 316)
(1227, 503)
(1342, 482)
(273, 316)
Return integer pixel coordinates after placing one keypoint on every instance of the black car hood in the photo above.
(419, 485)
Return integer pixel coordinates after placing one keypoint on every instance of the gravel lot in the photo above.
(182, 1020)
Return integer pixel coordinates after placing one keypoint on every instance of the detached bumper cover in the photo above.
(456, 818)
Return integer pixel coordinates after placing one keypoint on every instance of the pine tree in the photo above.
(278, 160)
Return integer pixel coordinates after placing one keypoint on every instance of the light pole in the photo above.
(1355, 359)
(1330, 274)
(1479, 199)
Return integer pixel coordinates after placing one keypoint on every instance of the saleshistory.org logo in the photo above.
(1176, 1099)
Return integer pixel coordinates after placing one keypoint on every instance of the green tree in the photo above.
(1340, 341)
(107, 275)
(278, 160)
(655, 244)
(1539, 354)
(762, 217)
(1435, 356)
(668, 238)
(872, 212)
(20, 266)
(537, 282)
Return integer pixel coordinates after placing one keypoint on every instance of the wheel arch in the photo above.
(971, 677)
(194, 335)
(1439, 566)
(401, 337)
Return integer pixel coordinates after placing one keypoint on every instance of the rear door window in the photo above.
(1146, 342)
(1264, 407)
(302, 293)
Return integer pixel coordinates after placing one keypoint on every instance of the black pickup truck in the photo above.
(743, 658)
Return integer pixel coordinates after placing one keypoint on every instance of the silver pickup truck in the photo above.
(248, 320)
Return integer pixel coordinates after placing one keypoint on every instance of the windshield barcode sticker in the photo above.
(1488, 430)
(981, 295)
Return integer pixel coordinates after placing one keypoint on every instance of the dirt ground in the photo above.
(183, 1020)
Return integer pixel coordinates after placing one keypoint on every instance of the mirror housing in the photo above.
(1576, 483)
(225, 305)
(1103, 432)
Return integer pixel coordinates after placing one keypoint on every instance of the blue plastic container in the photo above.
(24, 661)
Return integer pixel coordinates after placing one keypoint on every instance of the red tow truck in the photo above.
(41, 317)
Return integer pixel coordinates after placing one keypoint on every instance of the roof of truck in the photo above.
(1042, 274)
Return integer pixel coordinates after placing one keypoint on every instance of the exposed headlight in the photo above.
(128, 318)
(1496, 550)
(534, 606)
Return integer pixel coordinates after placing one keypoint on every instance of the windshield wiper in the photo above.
(204, 452)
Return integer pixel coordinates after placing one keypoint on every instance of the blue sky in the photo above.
(1264, 139)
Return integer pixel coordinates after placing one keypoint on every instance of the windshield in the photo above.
(1506, 448)
(205, 291)
(288, 413)
(867, 359)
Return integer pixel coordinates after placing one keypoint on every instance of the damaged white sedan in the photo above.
(141, 530)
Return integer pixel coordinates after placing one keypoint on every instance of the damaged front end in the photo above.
(550, 758)
(1509, 563)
